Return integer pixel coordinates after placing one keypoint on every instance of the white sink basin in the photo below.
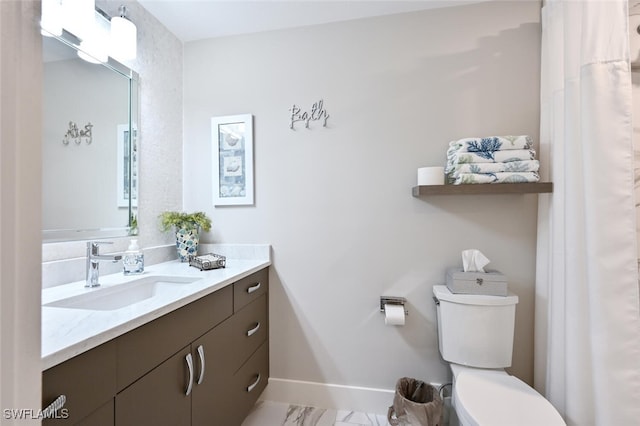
(109, 298)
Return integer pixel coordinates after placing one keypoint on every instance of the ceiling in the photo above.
(193, 20)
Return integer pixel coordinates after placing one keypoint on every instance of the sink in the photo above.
(109, 298)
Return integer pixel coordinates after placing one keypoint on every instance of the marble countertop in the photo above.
(69, 332)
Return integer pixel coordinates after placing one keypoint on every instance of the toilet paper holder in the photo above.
(393, 300)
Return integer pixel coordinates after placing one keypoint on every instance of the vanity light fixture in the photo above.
(78, 17)
(51, 21)
(98, 35)
(123, 36)
(95, 47)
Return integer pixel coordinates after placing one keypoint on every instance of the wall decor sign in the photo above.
(232, 138)
(317, 113)
(127, 166)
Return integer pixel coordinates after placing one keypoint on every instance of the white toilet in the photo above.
(475, 335)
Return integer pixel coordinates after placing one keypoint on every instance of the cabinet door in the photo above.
(87, 381)
(212, 402)
(160, 397)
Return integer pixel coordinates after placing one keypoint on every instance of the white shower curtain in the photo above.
(587, 340)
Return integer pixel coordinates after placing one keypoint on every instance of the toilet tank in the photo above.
(475, 330)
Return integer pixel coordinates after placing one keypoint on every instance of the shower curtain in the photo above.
(587, 338)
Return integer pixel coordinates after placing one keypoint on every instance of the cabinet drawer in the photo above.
(87, 381)
(249, 382)
(250, 329)
(250, 288)
(142, 349)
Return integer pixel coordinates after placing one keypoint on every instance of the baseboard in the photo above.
(325, 395)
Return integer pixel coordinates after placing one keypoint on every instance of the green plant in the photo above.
(184, 220)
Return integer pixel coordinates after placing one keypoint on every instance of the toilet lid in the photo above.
(494, 398)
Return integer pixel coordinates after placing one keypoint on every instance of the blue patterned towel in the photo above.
(492, 143)
(504, 177)
(511, 166)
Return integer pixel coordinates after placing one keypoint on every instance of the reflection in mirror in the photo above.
(89, 146)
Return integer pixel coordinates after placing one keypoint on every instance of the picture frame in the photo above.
(232, 162)
(126, 153)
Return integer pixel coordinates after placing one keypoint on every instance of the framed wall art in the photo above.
(127, 166)
(232, 138)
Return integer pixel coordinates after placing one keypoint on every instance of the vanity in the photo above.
(195, 352)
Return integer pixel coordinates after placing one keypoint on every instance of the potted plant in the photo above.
(187, 228)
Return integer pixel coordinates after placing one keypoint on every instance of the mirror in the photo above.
(89, 145)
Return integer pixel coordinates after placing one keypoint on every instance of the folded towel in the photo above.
(504, 177)
(492, 143)
(512, 166)
(462, 157)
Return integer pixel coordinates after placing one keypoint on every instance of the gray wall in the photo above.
(335, 202)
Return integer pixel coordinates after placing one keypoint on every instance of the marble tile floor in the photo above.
(268, 413)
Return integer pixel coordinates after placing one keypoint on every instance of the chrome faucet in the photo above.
(93, 261)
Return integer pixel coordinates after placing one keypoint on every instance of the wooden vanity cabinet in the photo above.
(224, 336)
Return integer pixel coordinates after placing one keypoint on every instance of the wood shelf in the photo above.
(487, 188)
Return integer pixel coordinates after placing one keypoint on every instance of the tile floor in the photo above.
(267, 413)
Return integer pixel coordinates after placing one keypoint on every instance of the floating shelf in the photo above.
(484, 188)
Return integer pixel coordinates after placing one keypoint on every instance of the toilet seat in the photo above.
(494, 398)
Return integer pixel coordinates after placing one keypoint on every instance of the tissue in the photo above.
(393, 314)
(473, 261)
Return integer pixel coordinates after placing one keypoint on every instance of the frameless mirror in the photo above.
(89, 145)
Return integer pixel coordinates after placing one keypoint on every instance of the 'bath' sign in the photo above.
(317, 113)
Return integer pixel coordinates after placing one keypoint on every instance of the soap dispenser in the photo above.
(133, 259)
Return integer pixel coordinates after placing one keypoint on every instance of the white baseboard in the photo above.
(325, 395)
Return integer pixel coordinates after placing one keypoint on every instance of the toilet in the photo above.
(475, 335)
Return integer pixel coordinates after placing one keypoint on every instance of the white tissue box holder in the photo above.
(490, 283)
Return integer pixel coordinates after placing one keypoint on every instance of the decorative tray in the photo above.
(208, 261)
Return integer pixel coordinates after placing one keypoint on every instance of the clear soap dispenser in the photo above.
(133, 259)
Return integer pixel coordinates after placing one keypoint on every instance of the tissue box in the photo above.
(491, 283)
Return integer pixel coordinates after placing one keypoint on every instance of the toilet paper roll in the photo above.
(431, 176)
(393, 314)
(634, 39)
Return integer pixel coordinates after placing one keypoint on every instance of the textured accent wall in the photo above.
(335, 202)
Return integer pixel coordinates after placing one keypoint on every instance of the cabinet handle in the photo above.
(253, 330)
(201, 355)
(189, 359)
(253, 288)
(52, 408)
(250, 387)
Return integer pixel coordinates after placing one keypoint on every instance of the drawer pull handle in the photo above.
(201, 355)
(52, 408)
(252, 386)
(253, 288)
(189, 360)
(253, 330)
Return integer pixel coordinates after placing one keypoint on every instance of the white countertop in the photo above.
(69, 332)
